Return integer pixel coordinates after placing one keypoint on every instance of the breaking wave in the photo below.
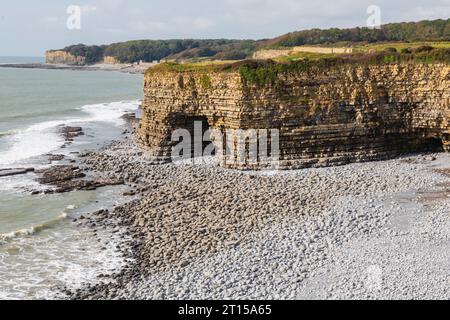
(43, 138)
(33, 229)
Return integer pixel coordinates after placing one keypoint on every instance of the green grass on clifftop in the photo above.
(201, 67)
(267, 72)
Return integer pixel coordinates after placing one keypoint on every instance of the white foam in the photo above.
(33, 229)
(43, 138)
(17, 233)
(69, 257)
(29, 143)
(62, 255)
(21, 182)
(8, 133)
(37, 227)
(110, 112)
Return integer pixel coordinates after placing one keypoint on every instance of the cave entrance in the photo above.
(199, 141)
(432, 144)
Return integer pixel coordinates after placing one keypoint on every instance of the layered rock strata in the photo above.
(325, 116)
(62, 57)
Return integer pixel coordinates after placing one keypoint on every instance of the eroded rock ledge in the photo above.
(329, 115)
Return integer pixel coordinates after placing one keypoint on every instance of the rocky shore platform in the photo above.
(125, 68)
(377, 230)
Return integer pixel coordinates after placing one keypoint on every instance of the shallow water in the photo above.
(39, 246)
(15, 60)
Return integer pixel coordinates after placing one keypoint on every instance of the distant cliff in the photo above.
(280, 52)
(328, 112)
(62, 57)
(151, 50)
(224, 49)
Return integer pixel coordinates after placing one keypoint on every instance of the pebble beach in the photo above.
(377, 230)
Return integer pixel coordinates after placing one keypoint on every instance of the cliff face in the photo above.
(62, 57)
(275, 53)
(110, 60)
(327, 116)
(271, 53)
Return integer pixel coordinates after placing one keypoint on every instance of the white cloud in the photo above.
(202, 23)
(88, 8)
(51, 19)
(430, 13)
(110, 5)
(42, 25)
(147, 26)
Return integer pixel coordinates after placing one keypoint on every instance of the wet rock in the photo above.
(69, 133)
(67, 178)
(55, 157)
(14, 172)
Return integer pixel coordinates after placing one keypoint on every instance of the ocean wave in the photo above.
(29, 143)
(110, 112)
(22, 183)
(36, 114)
(8, 133)
(42, 138)
(33, 229)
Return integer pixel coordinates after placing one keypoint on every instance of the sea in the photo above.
(41, 249)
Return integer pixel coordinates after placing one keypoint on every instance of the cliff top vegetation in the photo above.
(435, 30)
(265, 72)
(223, 49)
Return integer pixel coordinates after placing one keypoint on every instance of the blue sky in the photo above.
(29, 27)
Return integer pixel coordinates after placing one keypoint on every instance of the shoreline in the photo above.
(124, 68)
(204, 232)
(42, 230)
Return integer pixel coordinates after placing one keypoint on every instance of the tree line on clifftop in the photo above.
(150, 50)
(436, 30)
(223, 49)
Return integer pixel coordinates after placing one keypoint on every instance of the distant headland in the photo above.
(152, 51)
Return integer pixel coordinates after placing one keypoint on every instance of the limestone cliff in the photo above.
(326, 115)
(62, 57)
(282, 52)
(110, 60)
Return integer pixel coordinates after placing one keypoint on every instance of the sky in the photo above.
(29, 27)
